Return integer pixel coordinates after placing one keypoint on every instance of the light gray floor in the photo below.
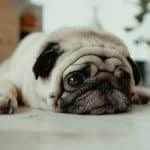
(41, 130)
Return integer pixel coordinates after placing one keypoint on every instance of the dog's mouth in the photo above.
(110, 108)
(98, 105)
(103, 109)
(101, 95)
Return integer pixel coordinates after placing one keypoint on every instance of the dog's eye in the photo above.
(75, 79)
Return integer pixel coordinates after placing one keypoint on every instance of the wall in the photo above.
(114, 16)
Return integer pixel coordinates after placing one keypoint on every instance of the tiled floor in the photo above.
(40, 130)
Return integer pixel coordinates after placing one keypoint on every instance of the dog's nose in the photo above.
(105, 87)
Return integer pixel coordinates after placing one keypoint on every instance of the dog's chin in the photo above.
(93, 102)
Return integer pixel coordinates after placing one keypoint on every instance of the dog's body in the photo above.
(37, 73)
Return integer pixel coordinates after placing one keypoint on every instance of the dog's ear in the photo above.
(135, 70)
(46, 60)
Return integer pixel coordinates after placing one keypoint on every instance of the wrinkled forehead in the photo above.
(95, 64)
(76, 60)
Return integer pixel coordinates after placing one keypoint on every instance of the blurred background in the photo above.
(128, 19)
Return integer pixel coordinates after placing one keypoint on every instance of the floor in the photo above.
(41, 130)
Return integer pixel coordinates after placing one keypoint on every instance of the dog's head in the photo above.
(85, 71)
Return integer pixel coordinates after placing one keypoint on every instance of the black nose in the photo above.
(105, 87)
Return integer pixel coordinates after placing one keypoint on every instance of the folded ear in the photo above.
(135, 70)
(46, 60)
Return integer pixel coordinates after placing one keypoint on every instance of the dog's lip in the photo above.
(69, 103)
(107, 108)
(99, 110)
(101, 106)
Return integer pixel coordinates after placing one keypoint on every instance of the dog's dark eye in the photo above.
(75, 79)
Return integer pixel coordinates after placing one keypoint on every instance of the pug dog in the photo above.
(79, 70)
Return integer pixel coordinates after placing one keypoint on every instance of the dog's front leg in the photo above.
(8, 97)
(140, 96)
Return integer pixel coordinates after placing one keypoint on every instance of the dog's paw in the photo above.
(7, 105)
(140, 98)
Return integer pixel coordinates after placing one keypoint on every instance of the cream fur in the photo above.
(77, 44)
